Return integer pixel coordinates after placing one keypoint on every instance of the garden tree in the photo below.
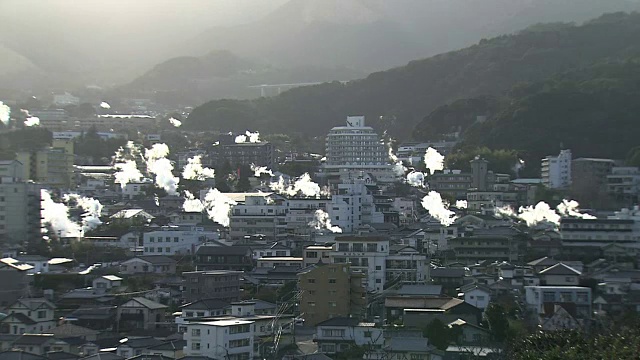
(243, 185)
(287, 291)
(620, 344)
(353, 352)
(297, 168)
(498, 322)
(439, 334)
(101, 150)
(221, 176)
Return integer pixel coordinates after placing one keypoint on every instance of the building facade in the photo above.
(220, 284)
(556, 170)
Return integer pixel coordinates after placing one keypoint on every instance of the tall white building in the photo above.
(220, 339)
(556, 170)
(357, 148)
(175, 240)
(367, 254)
(352, 206)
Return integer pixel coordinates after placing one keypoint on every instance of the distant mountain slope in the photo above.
(593, 111)
(397, 99)
(378, 34)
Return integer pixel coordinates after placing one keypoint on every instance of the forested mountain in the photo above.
(398, 99)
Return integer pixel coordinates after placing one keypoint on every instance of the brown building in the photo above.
(218, 284)
(329, 291)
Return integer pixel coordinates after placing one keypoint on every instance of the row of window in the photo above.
(168, 239)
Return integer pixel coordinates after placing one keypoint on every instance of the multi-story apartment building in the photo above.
(406, 265)
(220, 339)
(224, 258)
(366, 254)
(314, 254)
(352, 206)
(331, 290)
(247, 153)
(590, 173)
(258, 213)
(216, 284)
(495, 244)
(479, 200)
(589, 233)
(452, 183)
(52, 166)
(357, 148)
(176, 240)
(623, 183)
(556, 170)
(301, 211)
(537, 297)
(20, 218)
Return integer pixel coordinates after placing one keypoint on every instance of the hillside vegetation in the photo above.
(398, 99)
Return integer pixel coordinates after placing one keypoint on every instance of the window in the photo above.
(343, 247)
(167, 249)
(311, 303)
(378, 267)
(371, 247)
(42, 314)
(332, 281)
(195, 346)
(195, 332)
(378, 281)
(364, 262)
(238, 343)
(152, 239)
(175, 239)
(582, 297)
(332, 304)
(333, 332)
(312, 254)
(358, 247)
(312, 292)
(190, 313)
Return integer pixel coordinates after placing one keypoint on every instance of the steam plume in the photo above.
(57, 216)
(303, 185)
(5, 113)
(248, 137)
(438, 209)
(161, 167)
(191, 204)
(433, 160)
(218, 206)
(415, 178)
(323, 221)
(398, 167)
(32, 121)
(175, 122)
(569, 208)
(461, 204)
(194, 170)
(105, 105)
(259, 170)
(92, 208)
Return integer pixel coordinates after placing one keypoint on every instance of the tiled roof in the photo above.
(560, 269)
(422, 302)
(149, 304)
(72, 330)
(205, 304)
(339, 321)
(33, 339)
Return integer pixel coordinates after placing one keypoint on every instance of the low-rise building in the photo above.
(338, 334)
(559, 275)
(140, 313)
(221, 285)
(366, 254)
(272, 262)
(148, 265)
(28, 315)
(234, 257)
(220, 339)
(537, 297)
(314, 254)
(171, 241)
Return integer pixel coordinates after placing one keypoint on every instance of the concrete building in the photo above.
(331, 290)
(475, 245)
(537, 297)
(237, 258)
(452, 183)
(52, 166)
(479, 170)
(221, 339)
(247, 153)
(366, 254)
(338, 334)
(589, 233)
(20, 218)
(357, 148)
(556, 170)
(590, 174)
(406, 265)
(623, 183)
(352, 206)
(173, 240)
(65, 99)
(219, 284)
(314, 254)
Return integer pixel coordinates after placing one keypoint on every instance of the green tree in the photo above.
(438, 333)
(498, 322)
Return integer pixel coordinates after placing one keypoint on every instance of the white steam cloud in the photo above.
(56, 215)
(259, 170)
(532, 215)
(32, 121)
(5, 113)
(161, 167)
(461, 204)
(127, 172)
(433, 160)
(191, 204)
(92, 208)
(323, 221)
(415, 178)
(518, 166)
(175, 122)
(303, 186)
(252, 137)
(438, 208)
(194, 170)
(218, 206)
(105, 105)
(398, 167)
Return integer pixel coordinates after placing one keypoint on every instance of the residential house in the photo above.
(559, 275)
(40, 344)
(97, 318)
(477, 295)
(176, 240)
(29, 315)
(134, 346)
(170, 349)
(238, 258)
(107, 282)
(271, 250)
(419, 310)
(200, 309)
(331, 290)
(140, 313)
(271, 262)
(469, 334)
(338, 334)
(405, 264)
(40, 263)
(537, 297)
(215, 284)
(218, 339)
(148, 265)
(559, 317)
(68, 330)
(546, 262)
(449, 278)
(401, 348)
(14, 283)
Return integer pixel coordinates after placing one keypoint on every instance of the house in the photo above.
(85, 297)
(157, 264)
(133, 346)
(469, 334)
(140, 313)
(448, 277)
(314, 254)
(20, 355)
(546, 262)
(272, 250)
(68, 330)
(171, 349)
(476, 295)
(103, 356)
(234, 257)
(400, 348)
(557, 317)
(62, 355)
(216, 284)
(340, 333)
(539, 297)
(30, 315)
(96, 318)
(200, 309)
(420, 310)
(40, 263)
(610, 303)
(14, 282)
(220, 339)
(107, 282)
(559, 275)
(40, 344)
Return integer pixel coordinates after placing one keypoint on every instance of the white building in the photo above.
(176, 240)
(556, 170)
(134, 189)
(537, 296)
(221, 339)
(366, 254)
(340, 333)
(352, 206)
(357, 148)
(65, 99)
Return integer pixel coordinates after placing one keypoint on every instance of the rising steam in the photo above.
(194, 170)
(248, 137)
(162, 168)
(438, 208)
(433, 160)
(323, 221)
